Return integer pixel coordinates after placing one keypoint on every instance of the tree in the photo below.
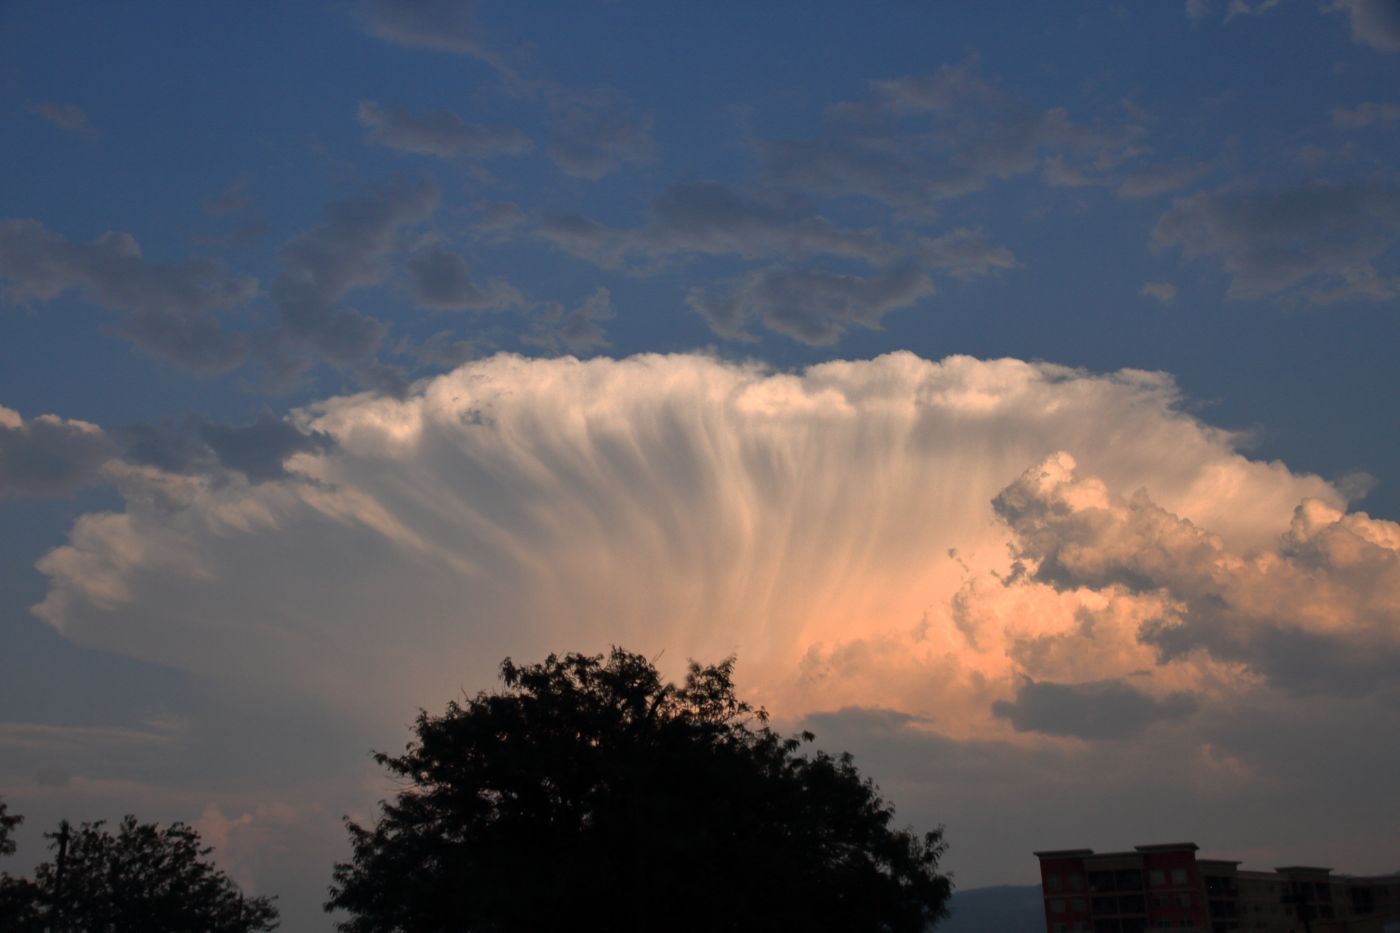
(7, 826)
(19, 900)
(140, 878)
(589, 795)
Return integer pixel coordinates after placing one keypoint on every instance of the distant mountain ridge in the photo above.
(1003, 908)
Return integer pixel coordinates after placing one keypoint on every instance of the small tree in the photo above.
(589, 795)
(19, 899)
(140, 878)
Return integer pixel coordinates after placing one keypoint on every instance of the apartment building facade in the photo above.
(1158, 888)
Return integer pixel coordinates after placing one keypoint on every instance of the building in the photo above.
(1167, 887)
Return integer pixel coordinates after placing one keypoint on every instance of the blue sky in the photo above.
(233, 238)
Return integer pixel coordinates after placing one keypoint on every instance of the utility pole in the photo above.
(56, 921)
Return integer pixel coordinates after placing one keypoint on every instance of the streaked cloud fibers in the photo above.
(965, 569)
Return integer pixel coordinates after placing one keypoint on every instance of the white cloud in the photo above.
(834, 527)
(518, 506)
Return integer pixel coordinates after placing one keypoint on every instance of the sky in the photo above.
(1010, 387)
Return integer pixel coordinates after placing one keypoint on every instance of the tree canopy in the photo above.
(588, 794)
(139, 879)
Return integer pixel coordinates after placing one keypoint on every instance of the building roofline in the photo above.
(1168, 847)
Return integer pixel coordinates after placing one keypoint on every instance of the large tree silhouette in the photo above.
(590, 795)
(141, 878)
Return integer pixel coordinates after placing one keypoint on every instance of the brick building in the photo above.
(1167, 887)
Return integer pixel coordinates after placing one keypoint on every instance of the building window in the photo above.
(1057, 906)
(1183, 899)
(1052, 882)
(1156, 877)
(1076, 882)
(1060, 928)
(1078, 905)
(1178, 876)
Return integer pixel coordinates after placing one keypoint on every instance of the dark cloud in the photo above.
(814, 306)
(48, 455)
(260, 450)
(347, 251)
(1156, 180)
(68, 117)
(964, 253)
(917, 140)
(1103, 709)
(1318, 240)
(498, 215)
(713, 218)
(169, 305)
(195, 445)
(442, 134)
(441, 280)
(577, 331)
(1375, 23)
(593, 134)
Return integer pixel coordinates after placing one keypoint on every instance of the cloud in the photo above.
(441, 280)
(964, 253)
(498, 215)
(577, 331)
(442, 134)
(1375, 23)
(1318, 240)
(596, 133)
(347, 251)
(197, 445)
(1163, 292)
(518, 506)
(439, 25)
(717, 219)
(832, 526)
(593, 132)
(1160, 179)
(68, 117)
(813, 306)
(49, 455)
(1311, 612)
(1102, 709)
(918, 140)
(169, 307)
(1364, 115)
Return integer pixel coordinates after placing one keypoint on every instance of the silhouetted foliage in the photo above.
(7, 828)
(589, 795)
(140, 879)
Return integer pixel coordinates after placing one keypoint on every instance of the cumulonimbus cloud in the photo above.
(835, 528)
